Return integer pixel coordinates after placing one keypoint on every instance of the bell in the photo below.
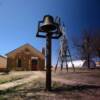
(48, 24)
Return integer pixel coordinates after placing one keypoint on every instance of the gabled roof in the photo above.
(30, 47)
(2, 56)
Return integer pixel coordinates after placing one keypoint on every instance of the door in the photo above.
(34, 64)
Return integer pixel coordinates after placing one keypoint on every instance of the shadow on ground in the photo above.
(74, 88)
(59, 92)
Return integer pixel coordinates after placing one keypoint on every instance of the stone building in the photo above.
(25, 58)
(3, 62)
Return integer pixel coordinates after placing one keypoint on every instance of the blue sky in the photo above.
(19, 19)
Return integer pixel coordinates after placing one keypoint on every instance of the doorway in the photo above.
(34, 63)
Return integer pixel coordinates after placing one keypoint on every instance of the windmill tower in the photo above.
(64, 52)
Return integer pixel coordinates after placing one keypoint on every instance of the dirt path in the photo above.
(15, 83)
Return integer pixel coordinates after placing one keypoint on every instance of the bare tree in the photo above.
(88, 46)
(96, 43)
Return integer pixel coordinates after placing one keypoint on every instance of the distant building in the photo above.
(98, 63)
(25, 58)
(3, 62)
(92, 64)
(82, 64)
(77, 63)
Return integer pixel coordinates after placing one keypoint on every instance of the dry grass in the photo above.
(12, 76)
(79, 85)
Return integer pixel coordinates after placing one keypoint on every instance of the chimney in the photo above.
(43, 51)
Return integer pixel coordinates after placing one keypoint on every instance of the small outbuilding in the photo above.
(92, 64)
(25, 58)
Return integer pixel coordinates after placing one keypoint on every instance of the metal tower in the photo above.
(64, 52)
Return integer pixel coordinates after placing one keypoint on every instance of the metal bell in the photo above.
(48, 24)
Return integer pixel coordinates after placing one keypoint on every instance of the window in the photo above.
(19, 62)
